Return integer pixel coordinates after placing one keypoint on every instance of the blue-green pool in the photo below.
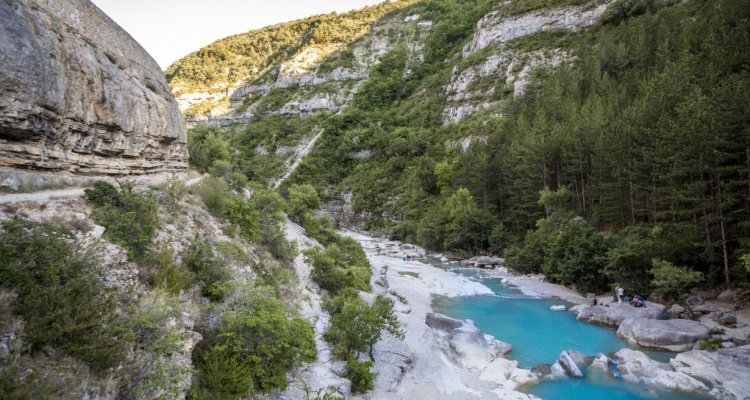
(538, 335)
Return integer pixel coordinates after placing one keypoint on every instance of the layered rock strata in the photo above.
(80, 95)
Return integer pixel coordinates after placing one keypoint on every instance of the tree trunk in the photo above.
(724, 245)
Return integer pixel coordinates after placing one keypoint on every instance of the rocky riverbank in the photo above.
(440, 357)
(715, 371)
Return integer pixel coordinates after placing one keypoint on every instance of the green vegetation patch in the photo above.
(129, 216)
(60, 294)
(256, 341)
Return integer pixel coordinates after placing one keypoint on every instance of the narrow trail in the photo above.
(298, 156)
(47, 195)
(40, 197)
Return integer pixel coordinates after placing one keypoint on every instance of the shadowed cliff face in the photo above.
(80, 95)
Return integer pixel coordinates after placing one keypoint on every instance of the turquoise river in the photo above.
(539, 335)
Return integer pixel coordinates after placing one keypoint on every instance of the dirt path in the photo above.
(298, 156)
(40, 197)
(47, 195)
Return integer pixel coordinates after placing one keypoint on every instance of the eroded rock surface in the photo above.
(495, 27)
(726, 370)
(80, 95)
(722, 374)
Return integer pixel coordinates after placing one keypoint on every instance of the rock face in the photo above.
(613, 314)
(671, 334)
(506, 71)
(496, 27)
(80, 95)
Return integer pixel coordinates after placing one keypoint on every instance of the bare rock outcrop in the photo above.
(80, 95)
(496, 27)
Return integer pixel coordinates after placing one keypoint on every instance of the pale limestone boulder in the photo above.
(671, 334)
(727, 370)
(638, 368)
(612, 314)
(569, 364)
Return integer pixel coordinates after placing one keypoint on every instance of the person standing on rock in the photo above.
(620, 293)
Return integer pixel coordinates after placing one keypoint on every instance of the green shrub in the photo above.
(61, 297)
(269, 204)
(173, 279)
(175, 191)
(282, 249)
(274, 274)
(358, 326)
(236, 181)
(621, 10)
(243, 215)
(220, 168)
(163, 273)
(156, 373)
(302, 199)
(358, 372)
(340, 265)
(405, 231)
(711, 344)
(215, 194)
(254, 345)
(103, 194)
(130, 218)
(322, 229)
(209, 271)
(206, 146)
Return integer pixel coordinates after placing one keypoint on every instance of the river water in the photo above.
(538, 336)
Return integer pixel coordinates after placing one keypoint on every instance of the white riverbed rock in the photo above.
(726, 370)
(721, 374)
(557, 307)
(669, 334)
(437, 364)
(612, 314)
(637, 367)
(569, 360)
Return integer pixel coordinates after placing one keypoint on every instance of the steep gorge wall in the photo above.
(80, 95)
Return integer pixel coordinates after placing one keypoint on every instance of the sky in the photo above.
(170, 29)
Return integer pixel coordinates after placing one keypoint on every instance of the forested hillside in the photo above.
(227, 63)
(630, 148)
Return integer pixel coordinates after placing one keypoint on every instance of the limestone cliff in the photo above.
(80, 95)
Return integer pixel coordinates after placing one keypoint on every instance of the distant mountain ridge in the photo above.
(205, 81)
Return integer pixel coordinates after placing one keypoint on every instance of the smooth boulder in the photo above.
(672, 334)
(726, 297)
(442, 322)
(612, 314)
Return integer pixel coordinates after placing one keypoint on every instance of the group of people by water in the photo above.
(620, 297)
